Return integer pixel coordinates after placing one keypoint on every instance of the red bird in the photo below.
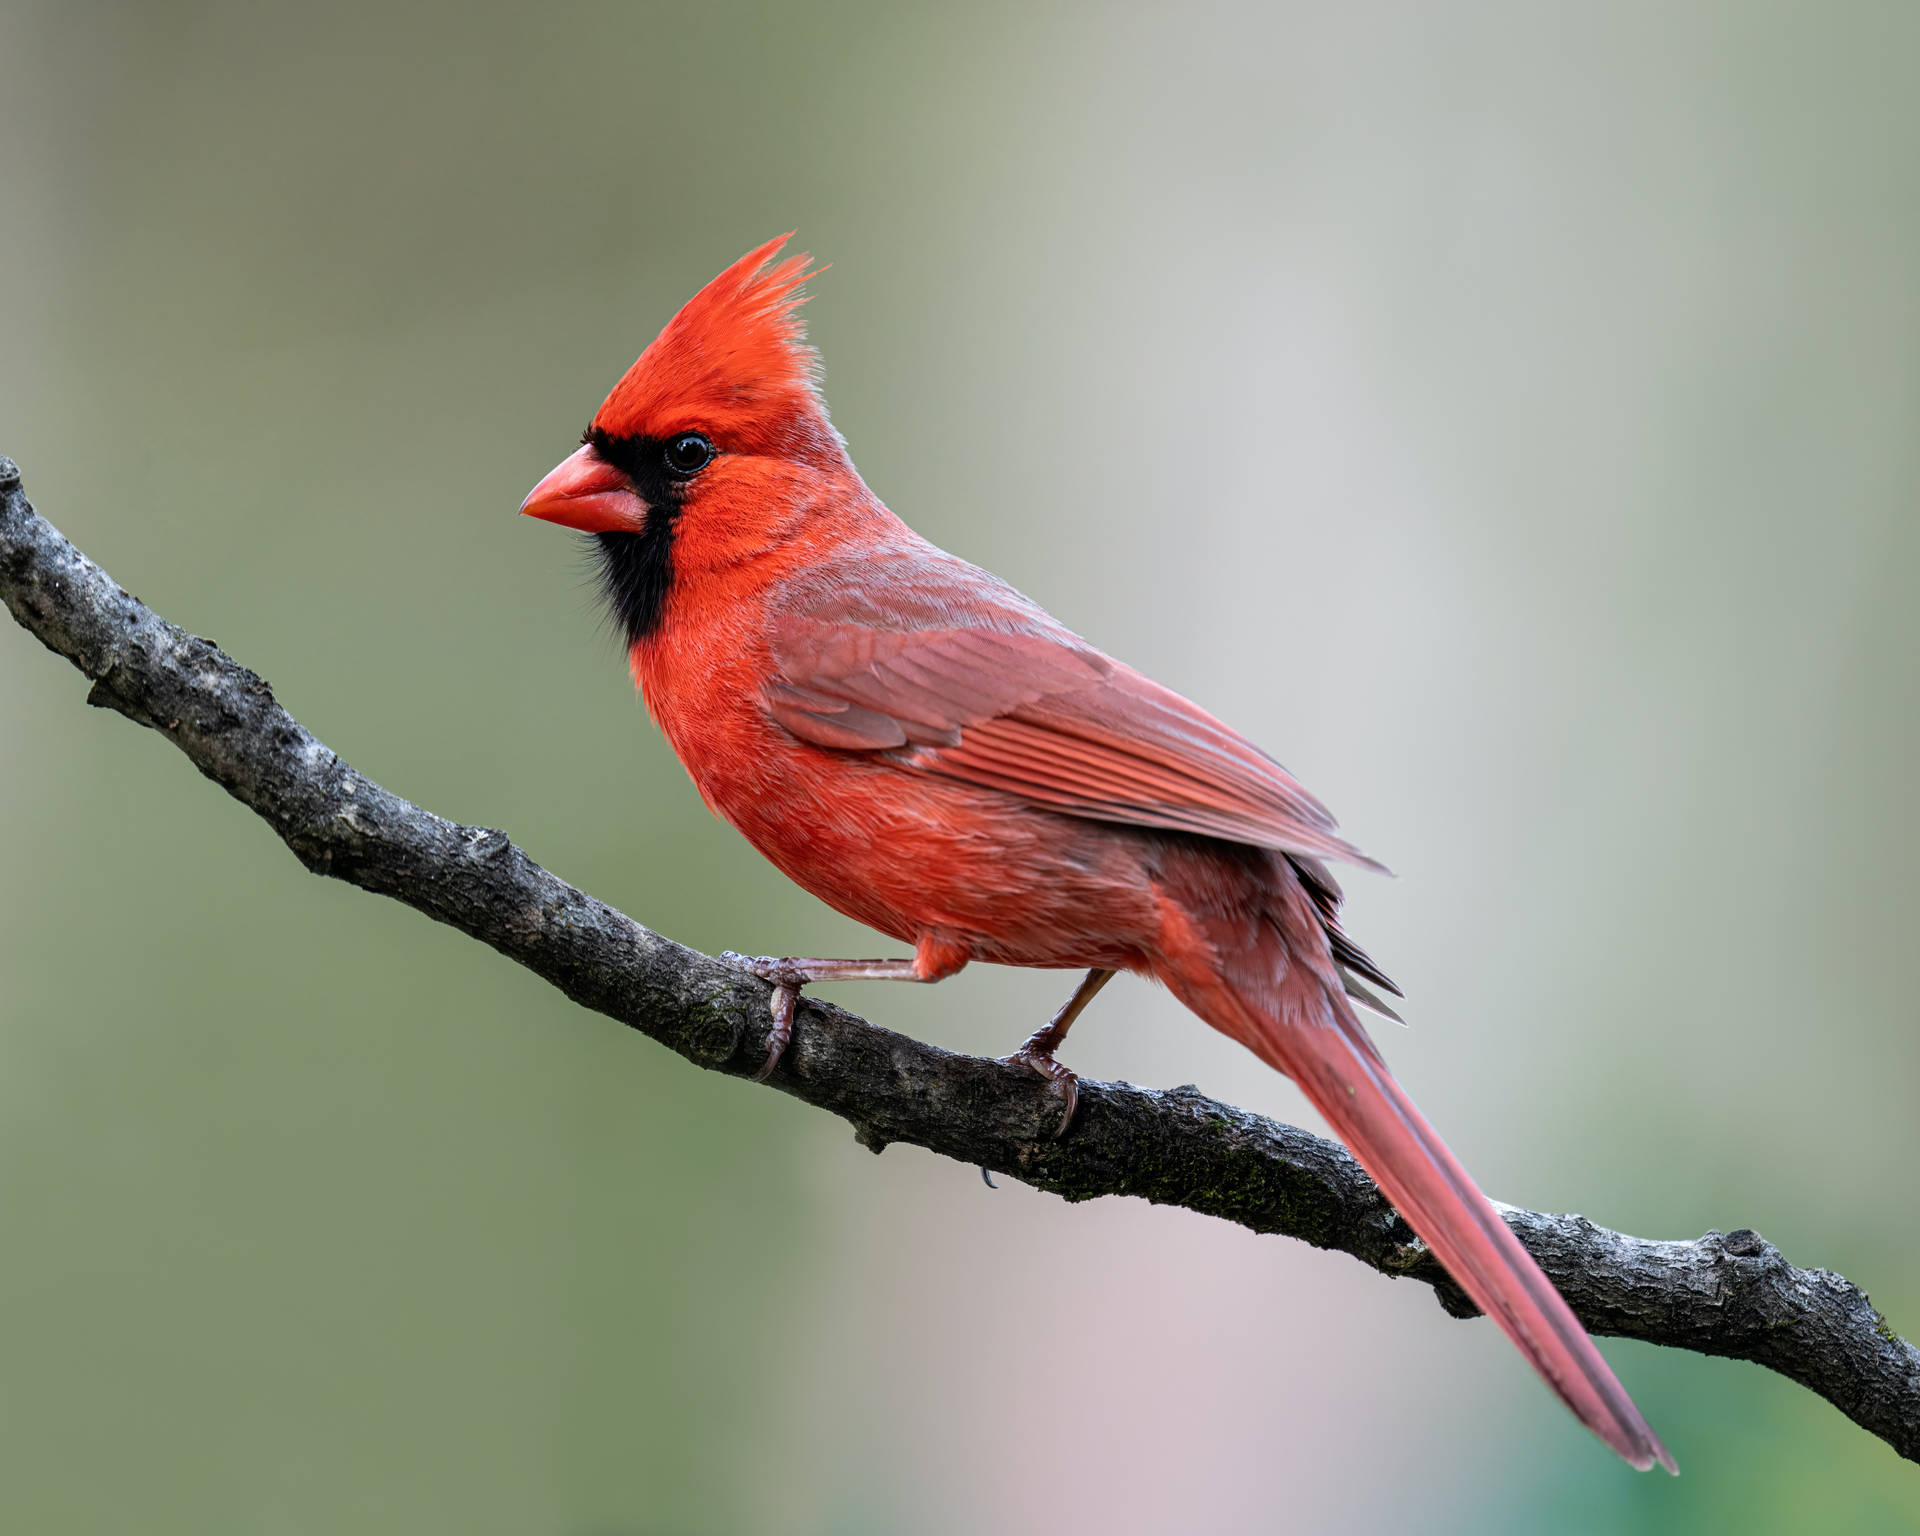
(935, 755)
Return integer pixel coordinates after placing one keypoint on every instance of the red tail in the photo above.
(1310, 1032)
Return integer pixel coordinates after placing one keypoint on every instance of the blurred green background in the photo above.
(1505, 413)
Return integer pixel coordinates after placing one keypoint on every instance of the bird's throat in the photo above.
(636, 573)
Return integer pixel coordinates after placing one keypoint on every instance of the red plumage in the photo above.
(735, 360)
(934, 755)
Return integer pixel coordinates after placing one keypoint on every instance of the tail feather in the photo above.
(1371, 1001)
(1319, 1042)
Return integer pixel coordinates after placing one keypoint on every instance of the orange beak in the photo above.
(584, 491)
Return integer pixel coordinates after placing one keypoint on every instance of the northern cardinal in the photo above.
(930, 752)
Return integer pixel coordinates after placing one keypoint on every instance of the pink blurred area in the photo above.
(1006, 1366)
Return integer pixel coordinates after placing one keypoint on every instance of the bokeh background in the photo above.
(1504, 412)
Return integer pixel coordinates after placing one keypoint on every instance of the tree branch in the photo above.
(1732, 1294)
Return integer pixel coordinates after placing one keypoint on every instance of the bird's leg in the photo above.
(790, 975)
(1037, 1053)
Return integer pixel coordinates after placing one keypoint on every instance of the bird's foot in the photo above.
(1060, 1078)
(788, 977)
(781, 972)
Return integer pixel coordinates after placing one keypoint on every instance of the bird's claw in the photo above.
(1062, 1079)
(782, 973)
(787, 979)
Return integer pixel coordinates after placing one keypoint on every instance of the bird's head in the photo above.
(715, 431)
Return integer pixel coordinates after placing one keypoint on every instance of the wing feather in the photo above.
(958, 675)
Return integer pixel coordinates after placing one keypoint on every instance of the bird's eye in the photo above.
(689, 453)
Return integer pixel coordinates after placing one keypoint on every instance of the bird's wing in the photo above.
(948, 671)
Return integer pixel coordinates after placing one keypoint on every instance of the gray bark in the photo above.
(1730, 1294)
